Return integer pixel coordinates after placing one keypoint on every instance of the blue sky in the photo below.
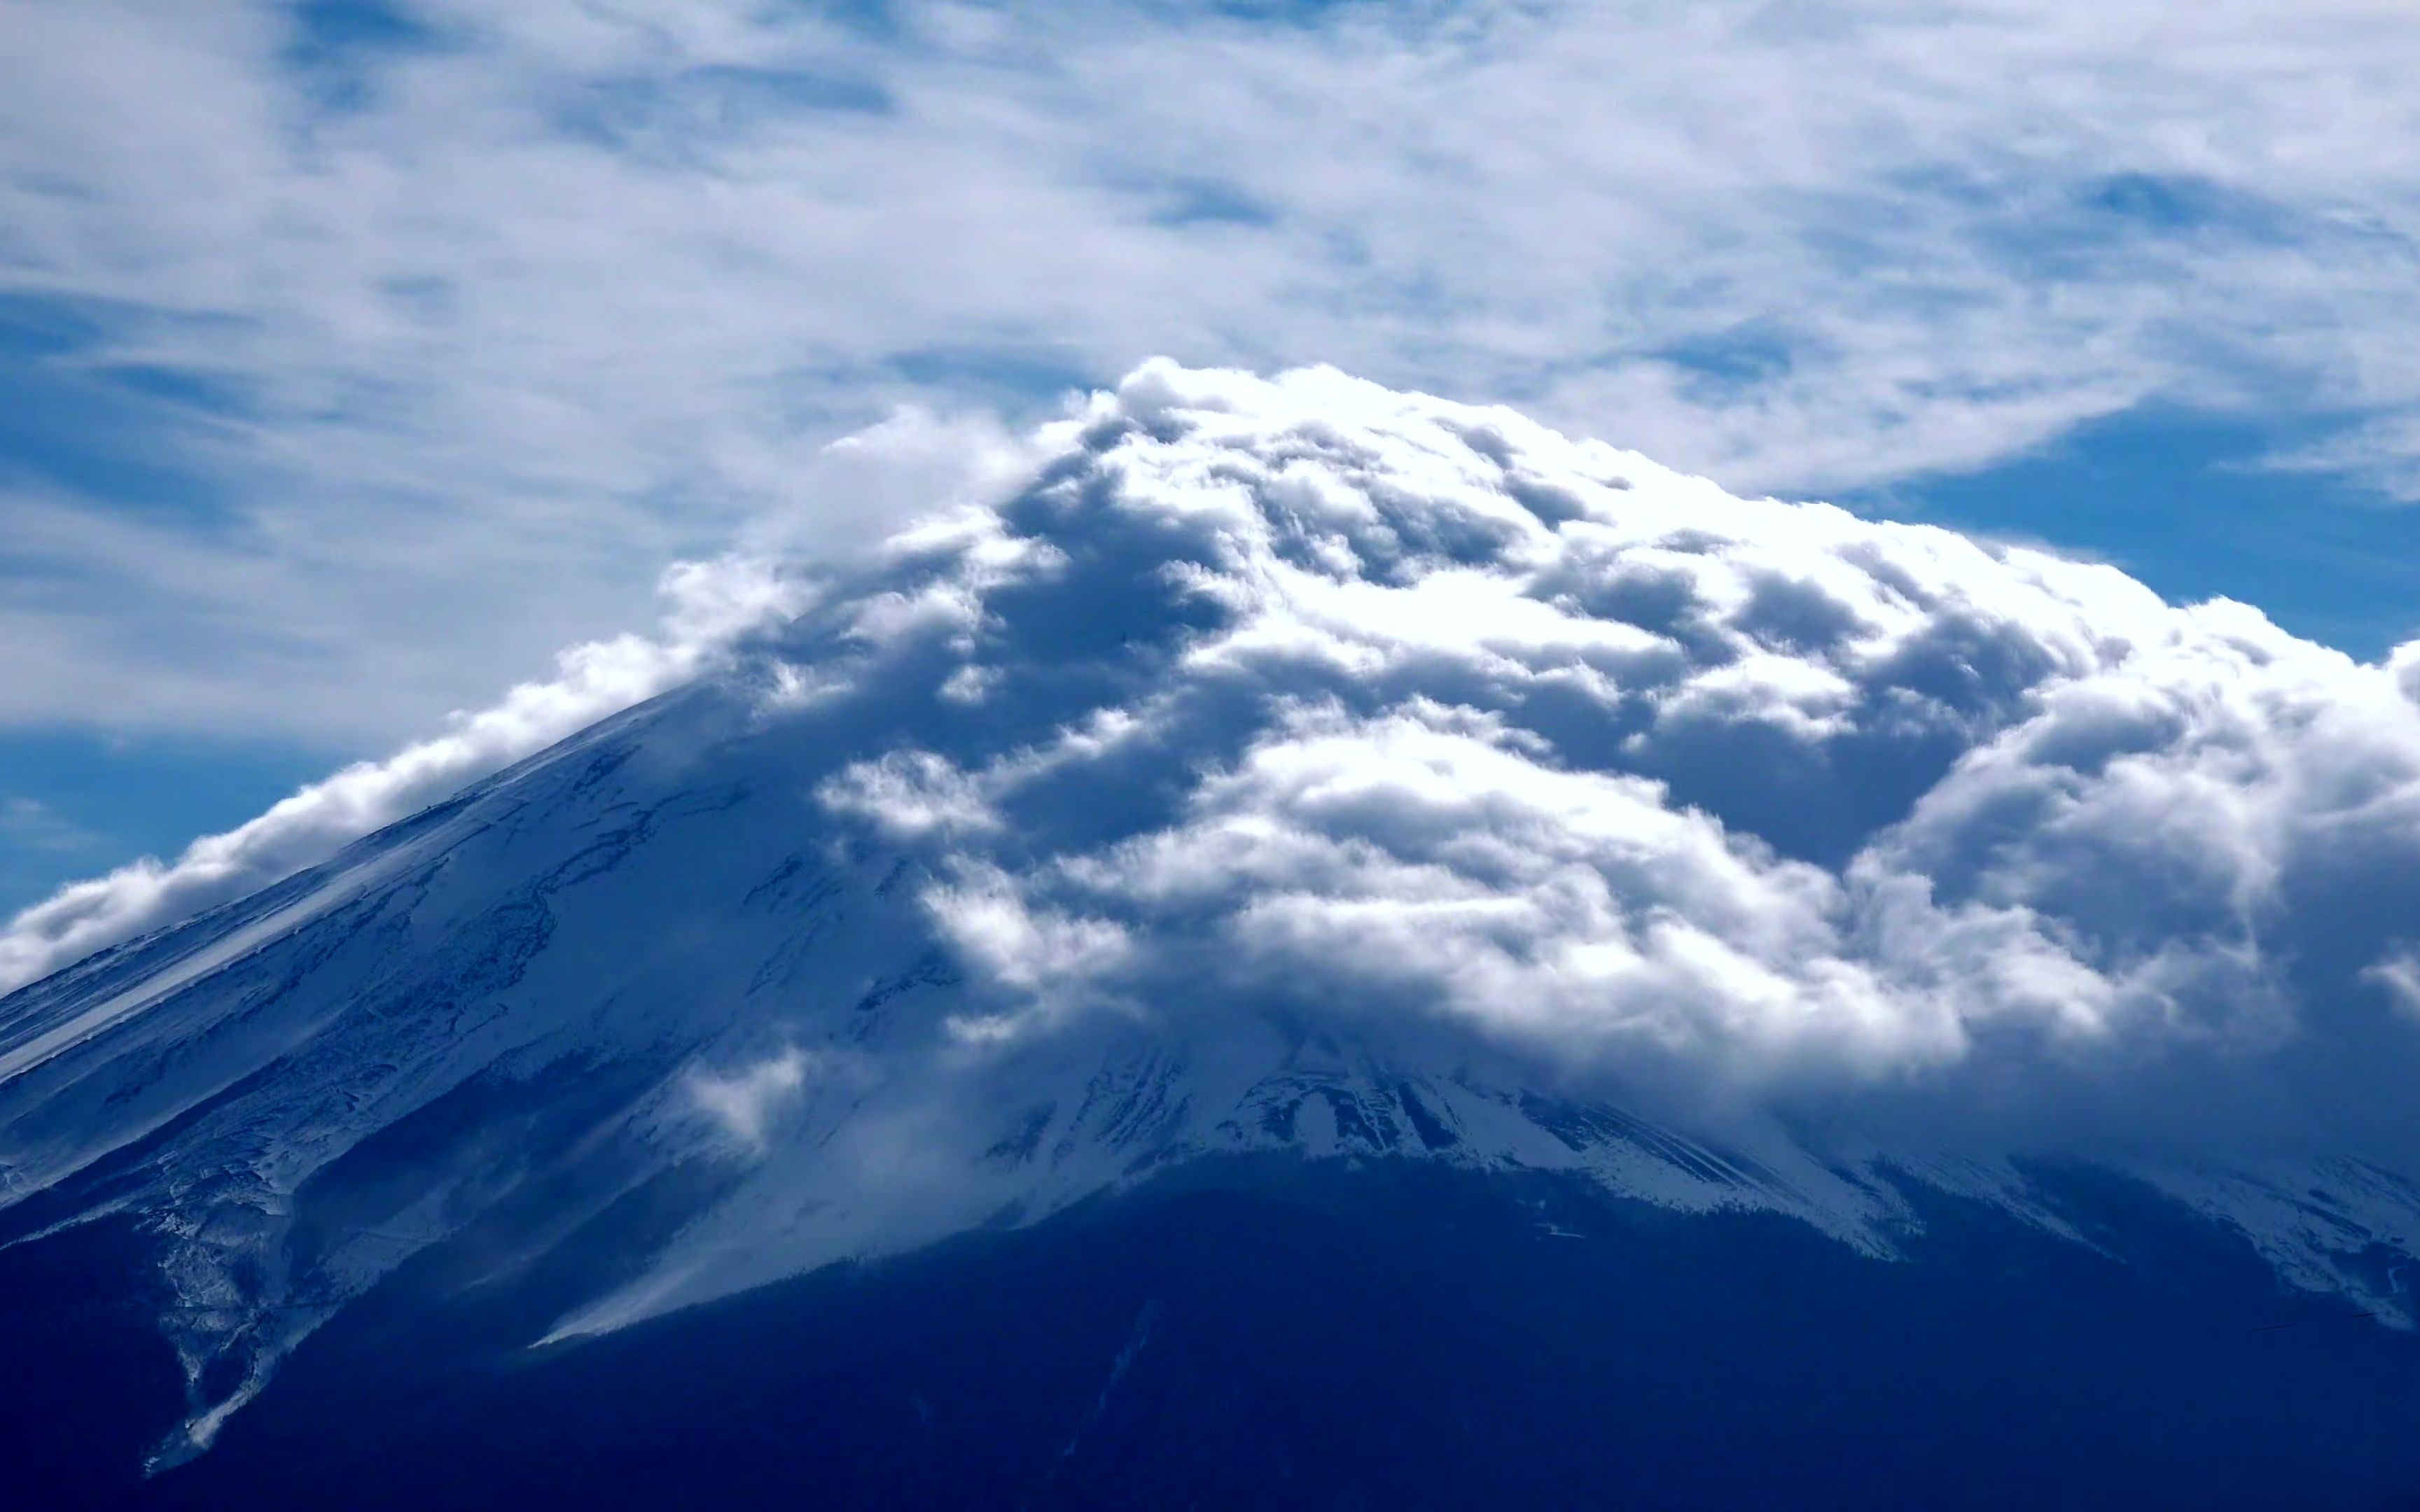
(354, 359)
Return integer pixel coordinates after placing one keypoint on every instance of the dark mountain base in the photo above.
(88, 1386)
(1263, 1334)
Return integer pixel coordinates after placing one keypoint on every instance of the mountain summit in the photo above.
(1293, 810)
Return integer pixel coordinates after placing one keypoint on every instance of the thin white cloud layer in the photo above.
(865, 486)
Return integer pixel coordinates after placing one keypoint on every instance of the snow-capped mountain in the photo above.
(1295, 770)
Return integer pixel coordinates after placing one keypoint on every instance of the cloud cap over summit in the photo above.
(1369, 709)
(1387, 716)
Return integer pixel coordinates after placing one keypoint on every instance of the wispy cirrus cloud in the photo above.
(31, 821)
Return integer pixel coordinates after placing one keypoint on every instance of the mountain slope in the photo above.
(1288, 773)
(1242, 1332)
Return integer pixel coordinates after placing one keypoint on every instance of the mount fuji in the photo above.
(1319, 947)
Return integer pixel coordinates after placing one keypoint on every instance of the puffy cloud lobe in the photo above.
(1417, 854)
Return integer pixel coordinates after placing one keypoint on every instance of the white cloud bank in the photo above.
(710, 604)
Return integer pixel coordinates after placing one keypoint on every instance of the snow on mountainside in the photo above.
(1300, 766)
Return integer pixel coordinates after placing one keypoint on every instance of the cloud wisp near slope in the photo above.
(1293, 764)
